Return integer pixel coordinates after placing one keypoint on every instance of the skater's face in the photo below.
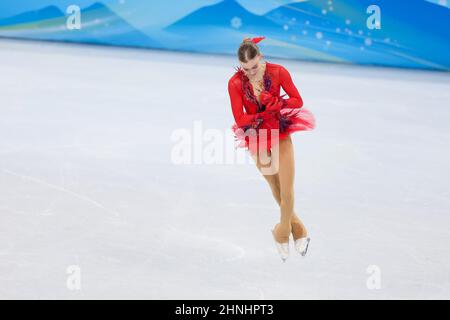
(252, 67)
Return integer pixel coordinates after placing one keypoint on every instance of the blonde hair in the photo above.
(247, 50)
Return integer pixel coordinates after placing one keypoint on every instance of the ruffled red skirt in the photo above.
(271, 128)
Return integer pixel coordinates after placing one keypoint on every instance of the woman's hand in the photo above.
(274, 104)
(265, 97)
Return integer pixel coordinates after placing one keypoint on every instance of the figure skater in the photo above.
(267, 122)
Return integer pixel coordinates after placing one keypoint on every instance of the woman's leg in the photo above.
(286, 172)
(298, 229)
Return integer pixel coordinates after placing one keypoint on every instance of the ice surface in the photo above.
(86, 179)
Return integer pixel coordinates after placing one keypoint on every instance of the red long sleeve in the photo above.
(237, 106)
(295, 100)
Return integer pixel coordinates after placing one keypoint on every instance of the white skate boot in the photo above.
(282, 248)
(301, 245)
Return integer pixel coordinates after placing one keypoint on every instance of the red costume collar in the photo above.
(247, 88)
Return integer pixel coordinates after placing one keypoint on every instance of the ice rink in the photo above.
(88, 182)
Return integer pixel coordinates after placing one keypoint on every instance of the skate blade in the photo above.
(306, 248)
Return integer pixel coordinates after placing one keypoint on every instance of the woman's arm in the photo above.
(295, 100)
(237, 106)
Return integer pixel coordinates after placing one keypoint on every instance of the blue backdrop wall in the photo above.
(413, 33)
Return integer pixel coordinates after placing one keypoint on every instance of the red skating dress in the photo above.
(292, 117)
